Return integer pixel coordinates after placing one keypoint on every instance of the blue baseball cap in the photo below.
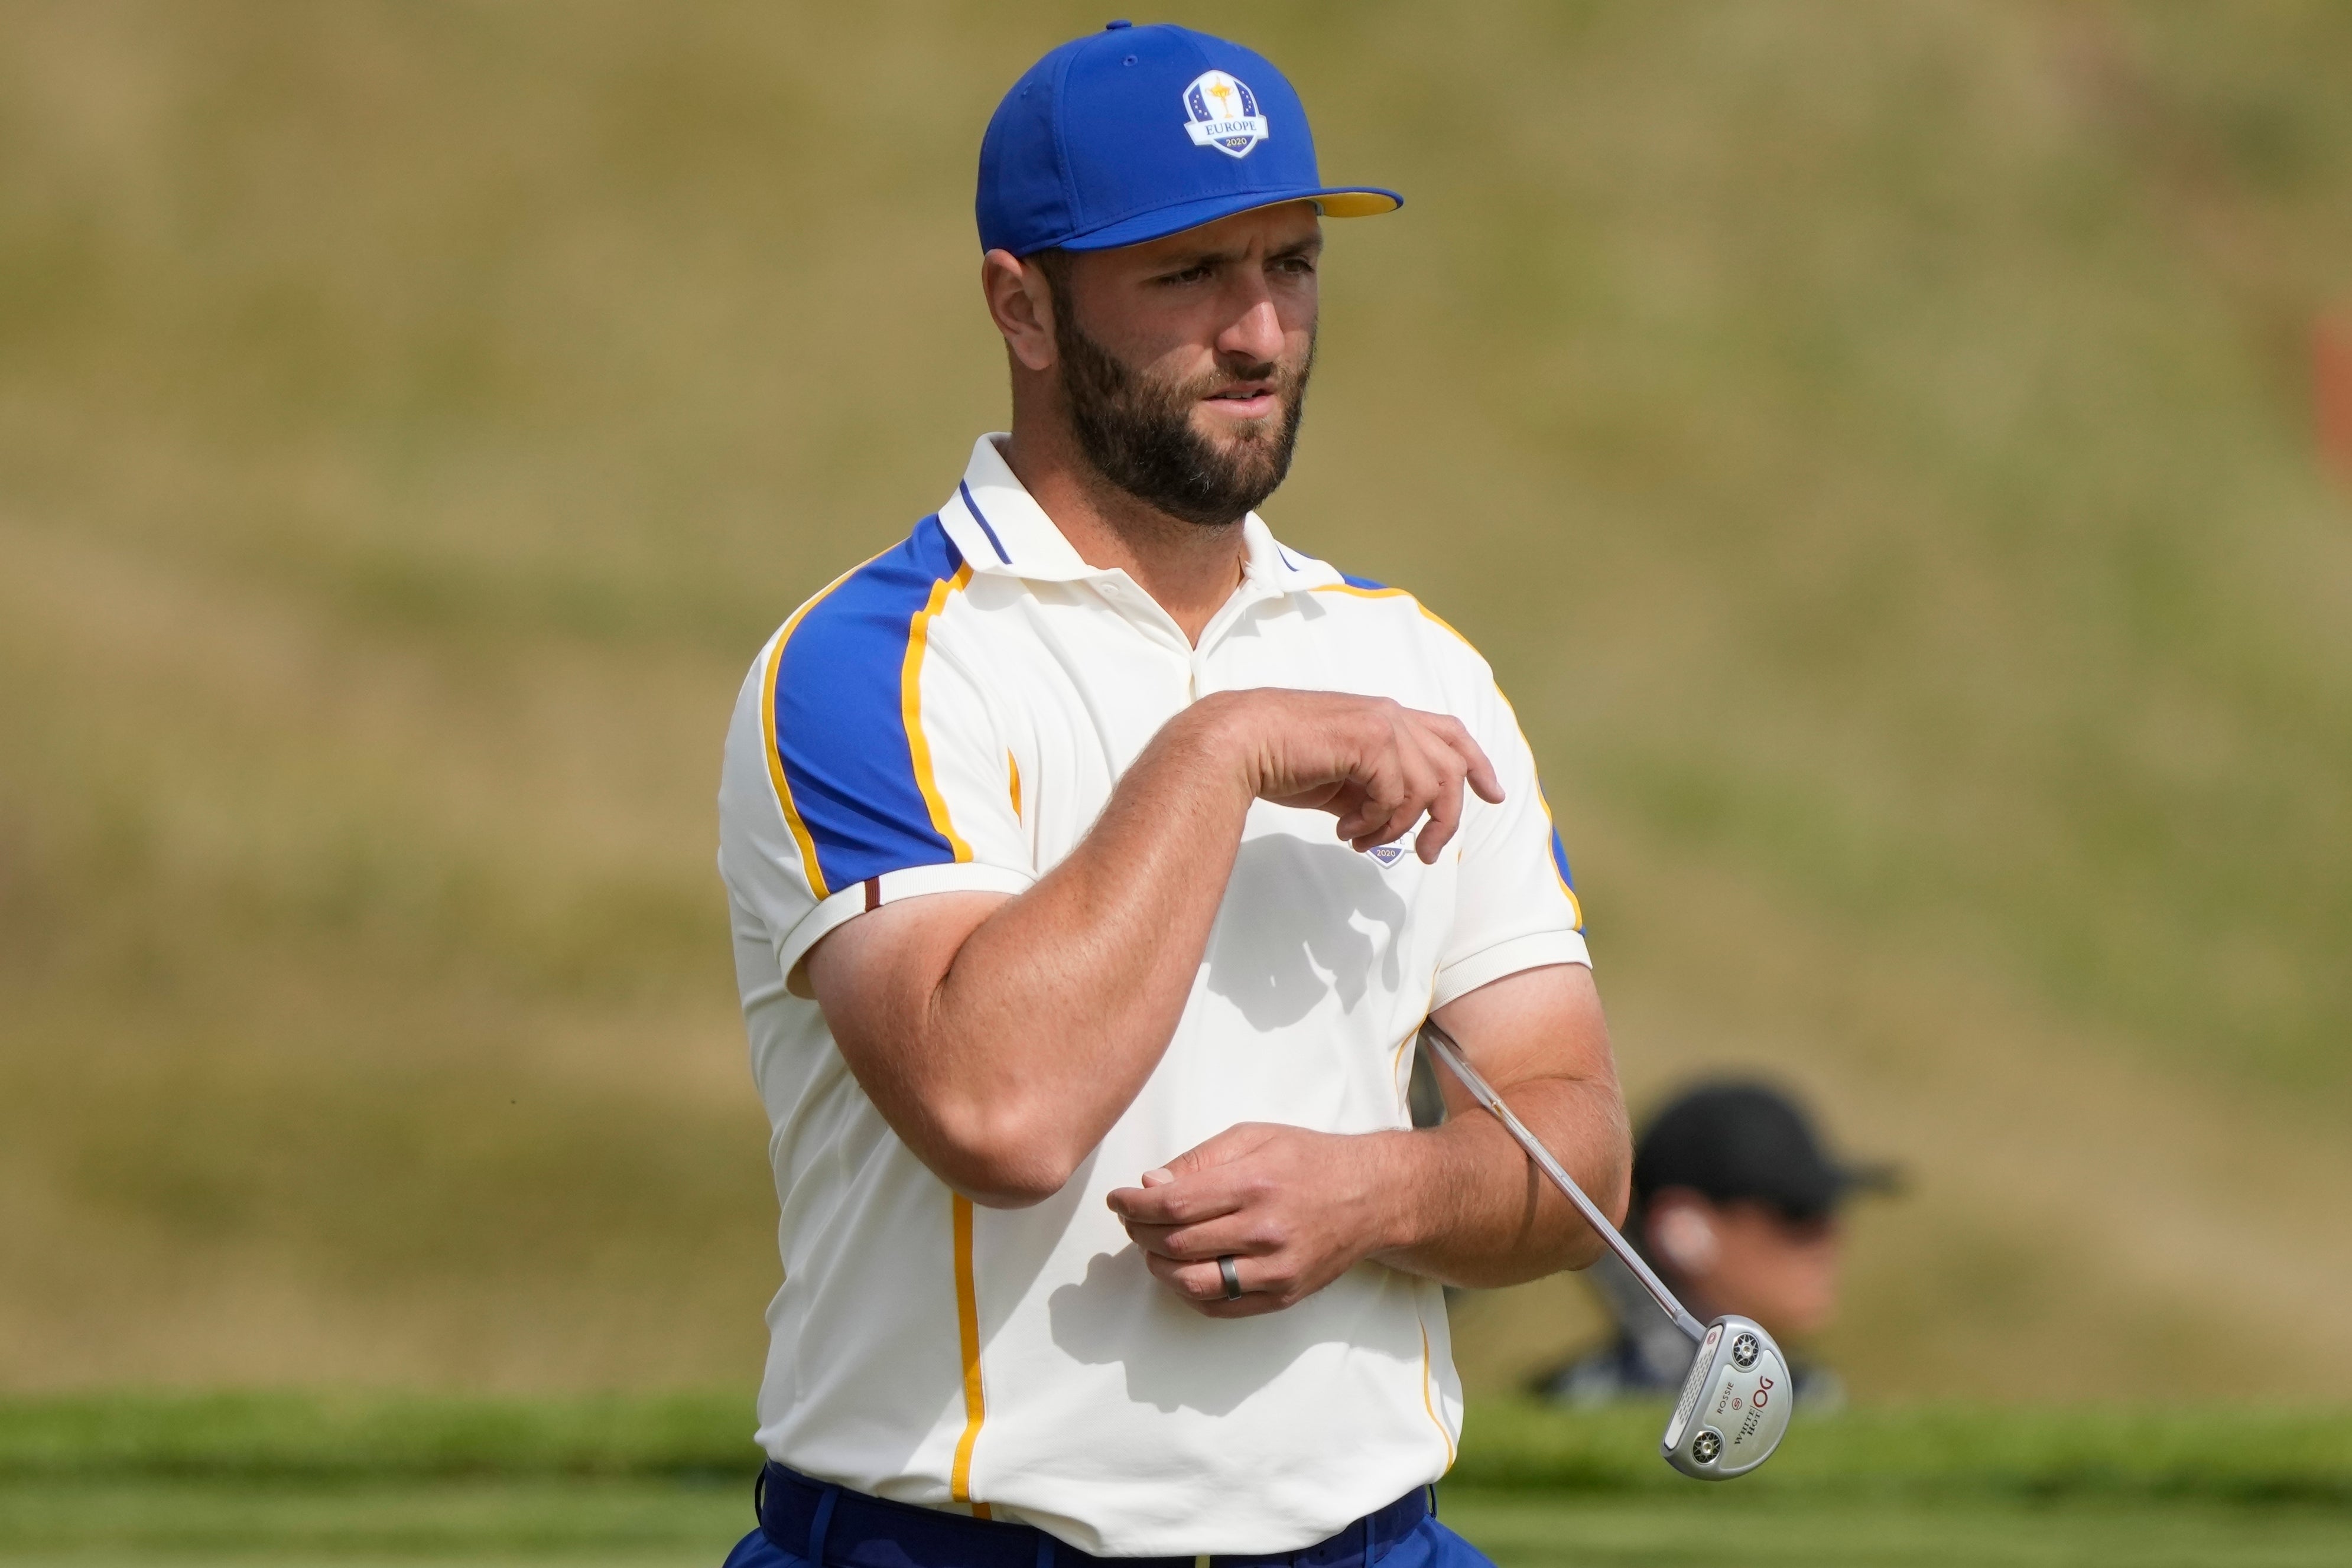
(1134, 133)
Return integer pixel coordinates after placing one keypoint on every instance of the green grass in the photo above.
(640, 1522)
(286, 1479)
(485, 1518)
(1520, 1531)
(313, 1438)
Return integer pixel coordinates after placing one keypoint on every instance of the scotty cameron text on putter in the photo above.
(1736, 1401)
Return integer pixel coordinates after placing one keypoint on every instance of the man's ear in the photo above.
(1682, 1233)
(1020, 303)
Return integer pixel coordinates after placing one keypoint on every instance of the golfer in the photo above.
(1093, 857)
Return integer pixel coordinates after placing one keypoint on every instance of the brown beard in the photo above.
(1138, 431)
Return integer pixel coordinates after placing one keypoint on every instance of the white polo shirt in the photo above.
(954, 714)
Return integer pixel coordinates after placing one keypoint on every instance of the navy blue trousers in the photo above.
(911, 1538)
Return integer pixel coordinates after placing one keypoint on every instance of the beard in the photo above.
(1137, 431)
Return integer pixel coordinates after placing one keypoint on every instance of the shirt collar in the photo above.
(1002, 532)
(1280, 566)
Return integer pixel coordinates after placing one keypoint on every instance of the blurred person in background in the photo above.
(1737, 1204)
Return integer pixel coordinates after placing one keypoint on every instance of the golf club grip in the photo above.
(1447, 1051)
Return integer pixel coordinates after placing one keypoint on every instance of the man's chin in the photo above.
(1248, 473)
(1238, 443)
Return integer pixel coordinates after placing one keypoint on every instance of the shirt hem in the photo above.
(1537, 950)
(914, 881)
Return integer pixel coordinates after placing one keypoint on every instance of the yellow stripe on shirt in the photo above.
(767, 730)
(910, 701)
(975, 1403)
(1427, 1402)
(1395, 593)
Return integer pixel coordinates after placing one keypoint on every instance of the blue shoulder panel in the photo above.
(841, 728)
(1560, 859)
(1559, 853)
(1354, 581)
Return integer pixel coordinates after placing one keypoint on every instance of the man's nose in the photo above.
(1255, 334)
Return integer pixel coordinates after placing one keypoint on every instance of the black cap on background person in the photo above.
(1736, 1203)
(1735, 1140)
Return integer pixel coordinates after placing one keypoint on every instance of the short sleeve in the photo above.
(864, 764)
(1516, 906)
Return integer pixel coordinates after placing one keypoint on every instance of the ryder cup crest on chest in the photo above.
(1220, 111)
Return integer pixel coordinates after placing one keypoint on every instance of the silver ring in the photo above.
(1232, 1277)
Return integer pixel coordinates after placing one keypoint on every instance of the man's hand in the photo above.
(1376, 765)
(1295, 1210)
(1459, 1203)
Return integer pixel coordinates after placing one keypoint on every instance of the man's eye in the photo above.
(1190, 275)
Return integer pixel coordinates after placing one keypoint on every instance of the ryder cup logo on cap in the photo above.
(1085, 152)
(1223, 113)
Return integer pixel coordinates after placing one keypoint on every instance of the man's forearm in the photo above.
(1296, 1207)
(1474, 1211)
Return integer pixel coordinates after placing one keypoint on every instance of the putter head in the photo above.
(1735, 1404)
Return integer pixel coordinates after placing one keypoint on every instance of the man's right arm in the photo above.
(1001, 1037)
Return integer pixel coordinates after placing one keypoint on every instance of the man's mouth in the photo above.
(1250, 399)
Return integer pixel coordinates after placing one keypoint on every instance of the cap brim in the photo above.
(1333, 201)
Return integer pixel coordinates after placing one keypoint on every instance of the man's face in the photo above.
(1749, 1258)
(1183, 363)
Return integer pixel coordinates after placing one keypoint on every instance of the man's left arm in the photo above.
(1296, 1207)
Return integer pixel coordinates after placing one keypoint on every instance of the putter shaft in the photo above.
(1443, 1045)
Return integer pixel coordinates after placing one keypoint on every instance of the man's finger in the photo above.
(1394, 816)
(1382, 793)
(1193, 1282)
(1444, 817)
(1202, 1286)
(1480, 772)
(1221, 1148)
(1177, 1203)
(1240, 1234)
(1439, 771)
(1202, 1183)
(1398, 825)
(1204, 1193)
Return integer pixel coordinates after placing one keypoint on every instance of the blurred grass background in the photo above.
(1873, 442)
(642, 1480)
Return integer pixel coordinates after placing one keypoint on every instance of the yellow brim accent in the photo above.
(1357, 204)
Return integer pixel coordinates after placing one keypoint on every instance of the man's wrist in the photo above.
(1405, 1173)
(1219, 731)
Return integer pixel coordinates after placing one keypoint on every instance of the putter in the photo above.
(1735, 1404)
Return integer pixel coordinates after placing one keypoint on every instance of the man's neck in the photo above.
(1188, 568)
